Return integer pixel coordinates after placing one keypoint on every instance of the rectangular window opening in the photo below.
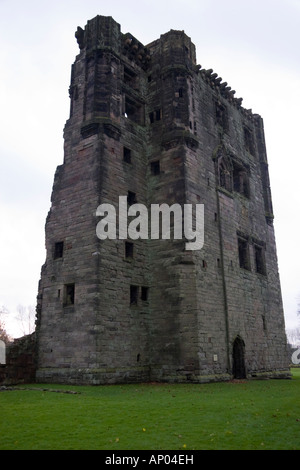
(221, 116)
(249, 142)
(58, 250)
(155, 167)
(129, 250)
(244, 254)
(131, 198)
(155, 116)
(134, 290)
(126, 155)
(144, 293)
(260, 266)
(134, 111)
(69, 294)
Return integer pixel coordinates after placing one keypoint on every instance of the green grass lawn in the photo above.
(244, 415)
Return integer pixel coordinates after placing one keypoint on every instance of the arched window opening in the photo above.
(238, 359)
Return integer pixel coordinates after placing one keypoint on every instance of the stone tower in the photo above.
(146, 122)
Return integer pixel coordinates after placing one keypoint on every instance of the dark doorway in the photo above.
(238, 356)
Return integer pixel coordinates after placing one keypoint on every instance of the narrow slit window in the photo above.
(144, 293)
(260, 266)
(134, 295)
(129, 250)
(244, 254)
(249, 141)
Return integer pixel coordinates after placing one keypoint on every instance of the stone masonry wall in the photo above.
(20, 361)
(147, 123)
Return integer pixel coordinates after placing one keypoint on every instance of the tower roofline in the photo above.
(94, 35)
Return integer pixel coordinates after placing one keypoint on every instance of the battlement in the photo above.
(104, 33)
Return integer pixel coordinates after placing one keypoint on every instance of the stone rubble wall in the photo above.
(20, 361)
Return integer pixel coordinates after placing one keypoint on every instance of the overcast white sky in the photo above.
(254, 45)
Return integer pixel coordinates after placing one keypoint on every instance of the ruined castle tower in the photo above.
(146, 122)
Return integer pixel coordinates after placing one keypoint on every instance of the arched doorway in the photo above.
(238, 359)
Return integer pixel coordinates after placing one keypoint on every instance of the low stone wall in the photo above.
(20, 361)
(2, 373)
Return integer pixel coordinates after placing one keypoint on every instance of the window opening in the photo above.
(155, 116)
(133, 295)
(155, 167)
(244, 253)
(144, 293)
(248, 138)
(260, 266)
(221, 116)
(126, 155)
(58, 250)
(131, 198)
(133, 111)
(69, 294)
(128, 250)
